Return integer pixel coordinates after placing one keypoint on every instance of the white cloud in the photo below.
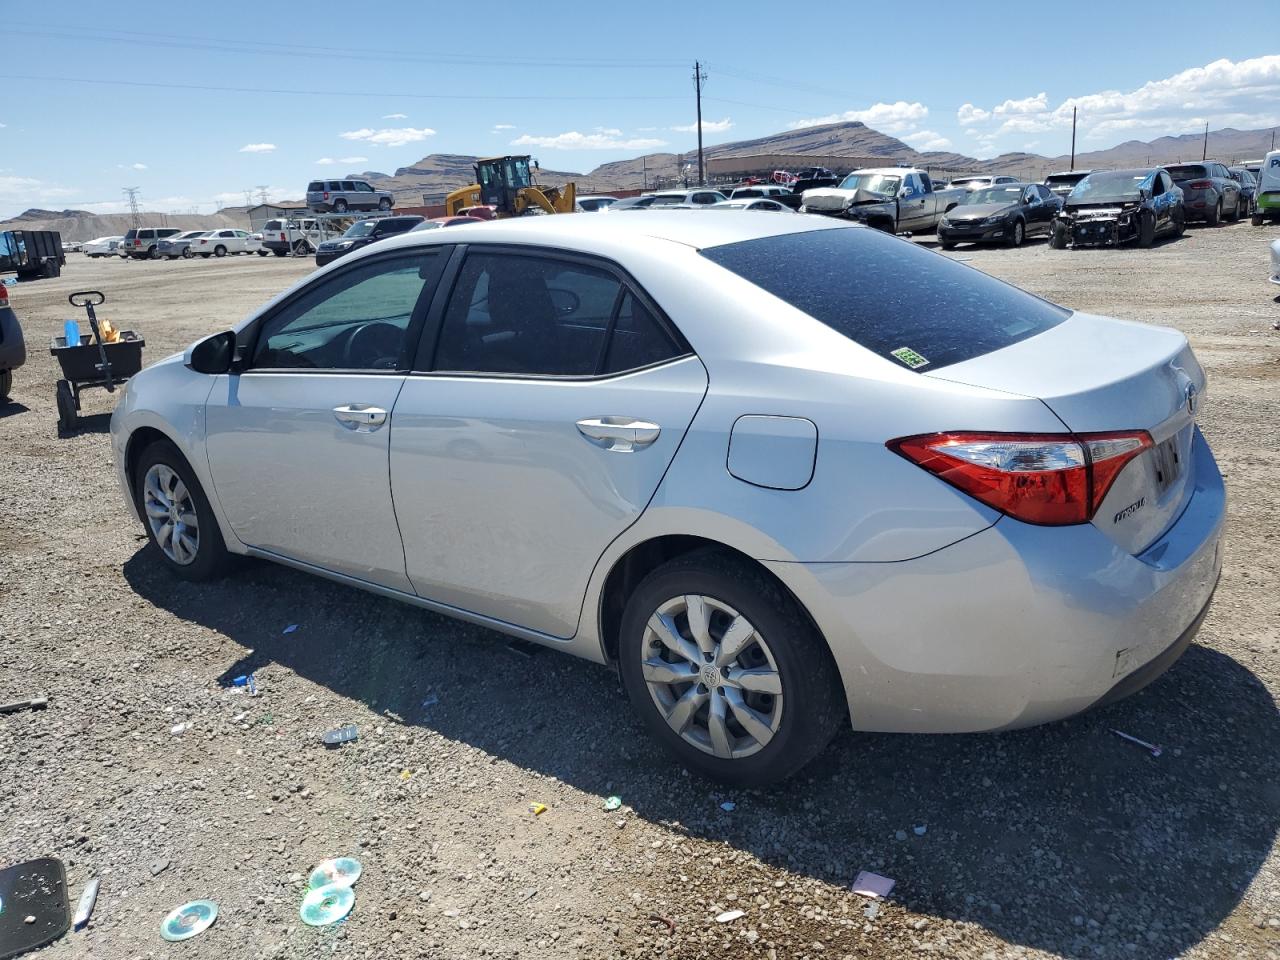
(926, 140)
(389, 136)
(340, 161)
(897, 117)
(587, 141)
(3, 125)
(503, 126)
(131, 166)
(1227, 93)
(708, 126)
(257, 148)
(19, 193)
(395, 116)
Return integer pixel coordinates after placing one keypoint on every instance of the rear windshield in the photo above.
(315, 186)
(1187, 171)
(273, 225)
(1069, 179)
(901, 301)
(131, 235)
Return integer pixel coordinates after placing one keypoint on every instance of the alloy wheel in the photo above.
(712, 676)
(171, 514)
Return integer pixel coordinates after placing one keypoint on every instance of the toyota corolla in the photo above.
(788, 474)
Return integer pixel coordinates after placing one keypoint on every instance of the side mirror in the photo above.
(212, 355)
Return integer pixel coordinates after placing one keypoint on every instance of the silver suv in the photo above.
(143, 243)
(339, 196)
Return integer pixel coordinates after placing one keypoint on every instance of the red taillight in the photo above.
(4, 293)
(1051, 479)
(326, 194)
(1200, 184)
(282, 236)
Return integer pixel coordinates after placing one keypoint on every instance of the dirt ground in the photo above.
(1061, 841)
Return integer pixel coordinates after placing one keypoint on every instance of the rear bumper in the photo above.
(324, 257)
(1017, 624)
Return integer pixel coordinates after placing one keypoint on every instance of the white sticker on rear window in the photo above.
(909, 357)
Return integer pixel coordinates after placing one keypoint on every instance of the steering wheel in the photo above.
(373, 346)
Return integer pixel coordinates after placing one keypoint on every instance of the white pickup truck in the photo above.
(893, 199)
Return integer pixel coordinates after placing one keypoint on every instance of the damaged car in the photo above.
(1112, 207)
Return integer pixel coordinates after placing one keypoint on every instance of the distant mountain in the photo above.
(82, 225)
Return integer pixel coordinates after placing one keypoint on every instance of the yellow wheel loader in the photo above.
(506, 184)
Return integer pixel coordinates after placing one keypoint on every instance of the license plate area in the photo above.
(1167, 463)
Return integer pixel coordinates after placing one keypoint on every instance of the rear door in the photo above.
(557, 397)
(297, 439)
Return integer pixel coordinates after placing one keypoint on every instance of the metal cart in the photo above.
(92, 362)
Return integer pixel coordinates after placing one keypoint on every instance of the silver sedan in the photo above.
(789, 474)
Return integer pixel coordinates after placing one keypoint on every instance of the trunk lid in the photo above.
(1100, 375)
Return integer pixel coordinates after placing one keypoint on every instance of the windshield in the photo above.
(1064, 179)
(192, 234)
(881, 183)
(361, 229)
(970, 181)
(1115, 185)
(664, 201)
(1001, 195)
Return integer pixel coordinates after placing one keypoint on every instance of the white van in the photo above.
(1267, 198)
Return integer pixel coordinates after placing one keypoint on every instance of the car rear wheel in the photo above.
(340, 206)
(6, 384)
(727, 672)
(1015, 236)
(1256, 219)
(384, 204)
(186, 253)
(153, 253)
(1214, 216)
(948, 245)
(219, 251)
(180, 523)
(279, 253)
(301, 248)
(1235, 212)
(1179, 221)
(263, 253)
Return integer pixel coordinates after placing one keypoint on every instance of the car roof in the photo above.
(691, 228)
(897, 171)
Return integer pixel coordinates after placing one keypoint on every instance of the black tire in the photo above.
(301, 248)
(1179, 221)
(340, 206)
(6, 385)
(187, 253)
(67, 413)
(948, 244)
(1256, 219)
(1018, 233)
(263, 253)
(219, 251)
(814, 707)
(1058, 237)
(1214, 216)
(384, 204)
(212, 559)
(153, 253)
(280, 253)
(1146, 229)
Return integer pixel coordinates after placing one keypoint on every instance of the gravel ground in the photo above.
(1062, 841)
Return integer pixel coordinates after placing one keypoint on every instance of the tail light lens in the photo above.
(4, 294)
(1050, 479)
(1200, 184)
(326, 194)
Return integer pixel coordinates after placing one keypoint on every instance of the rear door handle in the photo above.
(360, 417)
(619, 434)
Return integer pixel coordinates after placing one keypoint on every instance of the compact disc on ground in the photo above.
(325, 905)
(186, 921)
(342, 871)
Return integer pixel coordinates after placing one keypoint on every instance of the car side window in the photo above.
(638, 339)
(363, 187)
(353, 320)
(348, 185)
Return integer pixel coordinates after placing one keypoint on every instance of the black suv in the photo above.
(361, 234)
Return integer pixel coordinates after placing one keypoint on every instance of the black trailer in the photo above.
(32, 254)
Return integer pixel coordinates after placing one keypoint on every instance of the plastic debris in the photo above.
(322, 906)
(671, 924)
(728, 806)
(158, 867)
(613, 803)
(38, 702)
(920, 829)
(537, 809)
(178, 729)
(84, 909)
(188, 920)
(289, 629)
(871, 910)
(338, 872)
(867, 884)
(406, 774)
(430, 701)
(239, 717)
(730, 915)
(1155, 749)
(340, 735)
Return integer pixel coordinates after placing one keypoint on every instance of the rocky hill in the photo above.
(83, 225)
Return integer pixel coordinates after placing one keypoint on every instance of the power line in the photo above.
(382, 94)
(262, 193)
(132, 194)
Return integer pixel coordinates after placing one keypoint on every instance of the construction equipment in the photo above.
(506, 184)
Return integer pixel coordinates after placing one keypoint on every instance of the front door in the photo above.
(555, 403)
(914, 205)
(298, 439)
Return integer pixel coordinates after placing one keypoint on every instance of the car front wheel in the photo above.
(727, 672)
(179, 520)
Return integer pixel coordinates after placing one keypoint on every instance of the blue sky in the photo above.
(384, 84)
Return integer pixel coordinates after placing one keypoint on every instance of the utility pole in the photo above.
(1073, 138)
(1204, 154)
(262, 193)
(698, 78)
(644, 170)
(132, 193)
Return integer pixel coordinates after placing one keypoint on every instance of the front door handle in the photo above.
(619, 434)
(360, 417)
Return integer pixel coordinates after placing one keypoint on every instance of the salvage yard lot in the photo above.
(1058, 841)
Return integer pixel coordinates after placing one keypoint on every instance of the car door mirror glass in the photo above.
(212, 355)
